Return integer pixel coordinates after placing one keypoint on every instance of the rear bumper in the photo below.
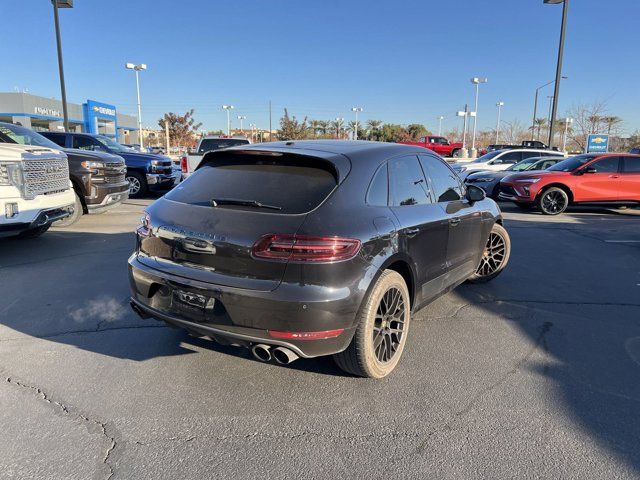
(245, 316)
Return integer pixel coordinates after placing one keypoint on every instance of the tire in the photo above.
(495, 256)
(524, 206)
(35, 232)
(77, 213)
(138, 187)
(376, 325)
(553, 201)
(456, 153)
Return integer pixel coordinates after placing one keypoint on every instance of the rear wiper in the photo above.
(244, 203)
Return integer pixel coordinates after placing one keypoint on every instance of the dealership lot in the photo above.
(537, 372)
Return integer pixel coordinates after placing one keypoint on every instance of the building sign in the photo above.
(106, 111)
(598, 144)
(47, 112)
(100, 118)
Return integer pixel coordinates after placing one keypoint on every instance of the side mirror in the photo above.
(590, 170)
(475, 194)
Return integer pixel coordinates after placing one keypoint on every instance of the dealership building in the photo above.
(41, 113)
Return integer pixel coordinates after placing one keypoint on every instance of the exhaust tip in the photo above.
(262, 352)
(284, 356)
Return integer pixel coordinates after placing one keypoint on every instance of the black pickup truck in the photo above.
(505, 146)
(98, 178)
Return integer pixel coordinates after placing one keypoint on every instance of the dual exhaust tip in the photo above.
(281, 355)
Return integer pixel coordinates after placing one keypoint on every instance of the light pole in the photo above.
(535, 106)
(61, 4)
(252, 126)
(499, 105)
(137, 68)
(465, 113)
(476, 81)
(355, 133)
(241, 118)
(228, 108)
(567, 122)
(440, 119)
(556, 92)
(339, 121)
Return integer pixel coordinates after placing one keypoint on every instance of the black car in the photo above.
(309, 248)
(490, 181)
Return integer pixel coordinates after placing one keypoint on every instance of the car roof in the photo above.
(342, 147)
(537, 150)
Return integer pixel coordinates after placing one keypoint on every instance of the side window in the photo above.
(422, 139)
(511, 157)
(606, 165)
(57, 138)
(408, 185)
(526, 155)
(83, 143)
(379, 188)
(631, 164)
(446, 185)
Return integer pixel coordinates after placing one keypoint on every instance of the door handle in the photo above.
(412, 232)
(614, 176)
(454, 221)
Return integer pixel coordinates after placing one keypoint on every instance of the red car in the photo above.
(440, 145)
(594, 178)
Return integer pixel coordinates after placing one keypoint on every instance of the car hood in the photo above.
(488, 174)
(93, 155)
(532, 175)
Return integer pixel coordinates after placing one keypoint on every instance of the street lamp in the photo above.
(137, 68)
(61, 4)
(567, 122)
(556, 93)
(535, 105)
(355, 133)
(228, 108)
(440, 119)
(476, 81)
(241, 118)
(465, 113)
(499, 105)
(252, 126)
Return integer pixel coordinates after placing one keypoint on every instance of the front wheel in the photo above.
(495, 255)
(553, 201)
(457, 153)
(381, 335)
(137, 185)
(74, 217)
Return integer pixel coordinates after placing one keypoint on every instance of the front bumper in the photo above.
(242, 316)
(160, 181)
(515, 193)
(44, 217)
(106, 197)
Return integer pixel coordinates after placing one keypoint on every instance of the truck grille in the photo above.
(45, 176)
(118, 178)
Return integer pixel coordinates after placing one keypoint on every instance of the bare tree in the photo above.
(589, 119)
(513, 132)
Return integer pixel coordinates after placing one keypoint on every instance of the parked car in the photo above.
(438, 144)
(500, 160)
(490, 181)
(525, 144)
(605, 179)
(145, 171)
(98, 178)
(206, 144)
(310, 248)
(635, 151)
(35, 189)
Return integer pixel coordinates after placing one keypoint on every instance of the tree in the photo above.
(417, 130)
(513, 132)
(540, 123)
(611, 123)
(374, 126)
(291, 128)
(338, 128)
(315, 127)
(182, 128)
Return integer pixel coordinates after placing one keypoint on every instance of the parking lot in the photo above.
(534, 374)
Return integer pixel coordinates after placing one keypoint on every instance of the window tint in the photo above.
(408, 185)
(209, 144)
(58, 138)
(511, 157)
(84, 143)
(446, 185)
(632, 164)
(606, 165)
(379, 188)
(288, 182)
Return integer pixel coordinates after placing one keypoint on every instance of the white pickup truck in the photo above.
(35, 189)
(190, 162)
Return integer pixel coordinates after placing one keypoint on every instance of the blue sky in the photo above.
(404, 61)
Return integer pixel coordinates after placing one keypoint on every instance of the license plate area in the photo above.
(192, 305)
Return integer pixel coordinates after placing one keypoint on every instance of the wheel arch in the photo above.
(561, 186)
(402, 266)
(79, 189)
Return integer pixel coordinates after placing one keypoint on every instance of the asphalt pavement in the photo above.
(536, 374)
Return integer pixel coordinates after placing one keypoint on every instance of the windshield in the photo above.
(570, 164)
(24, 136)
(523, 165)
(487, 157)
(113, 145)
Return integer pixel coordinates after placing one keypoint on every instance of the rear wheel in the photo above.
(382, 330)
(553, 201)
(495, 255)
(137, 185)
(457, 153)
(74, 217)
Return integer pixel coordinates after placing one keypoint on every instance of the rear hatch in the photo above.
(206, 227)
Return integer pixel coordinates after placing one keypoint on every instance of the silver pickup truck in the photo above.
(191, 161)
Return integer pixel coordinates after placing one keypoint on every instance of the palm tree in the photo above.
(314, 126)
(337, 126)
(374, 126)
(540, 123)
(324, 126)
(353, 127)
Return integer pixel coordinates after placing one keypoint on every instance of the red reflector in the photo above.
(305, 335)
(183, 164)
(302, 248)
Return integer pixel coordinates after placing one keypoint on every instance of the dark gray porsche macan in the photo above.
(310, 248)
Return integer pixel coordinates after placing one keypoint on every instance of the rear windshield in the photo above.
(291, 184)
(208, 144)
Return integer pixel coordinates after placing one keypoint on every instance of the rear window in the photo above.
(208, 144)
(293, 184)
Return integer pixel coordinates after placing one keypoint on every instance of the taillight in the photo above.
(144, 229)
(183, 164)
(302, 248)
(305, 335)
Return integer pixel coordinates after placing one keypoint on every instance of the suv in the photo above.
(500, 160)
(145, 171)
(35, 190)
(207, 144)
(309, 248)
(594, 178)
(98, 178)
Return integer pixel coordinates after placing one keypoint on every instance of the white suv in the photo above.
(501, 160)
(35, 189)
